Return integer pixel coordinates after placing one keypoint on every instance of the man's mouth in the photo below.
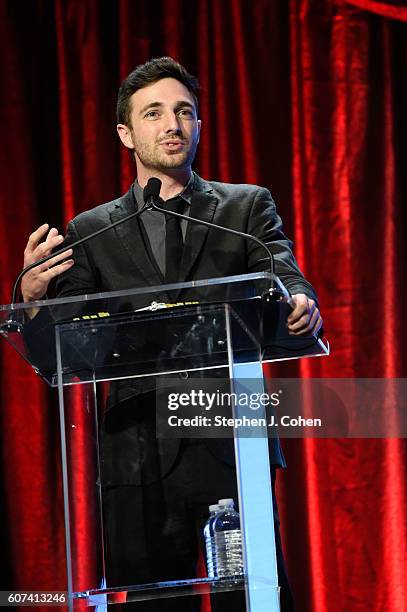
(172, 145)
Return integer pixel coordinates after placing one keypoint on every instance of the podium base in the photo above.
(165, 589)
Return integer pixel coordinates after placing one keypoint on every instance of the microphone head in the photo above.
(152, 189)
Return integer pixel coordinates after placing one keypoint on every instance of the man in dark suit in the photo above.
(151, 492)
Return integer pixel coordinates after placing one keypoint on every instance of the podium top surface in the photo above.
(234, 287)
(155, 330)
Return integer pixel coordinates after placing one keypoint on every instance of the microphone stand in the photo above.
(153, 206)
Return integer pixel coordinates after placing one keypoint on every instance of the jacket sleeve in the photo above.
(265, 224)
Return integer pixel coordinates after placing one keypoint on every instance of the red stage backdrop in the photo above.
(307, 97)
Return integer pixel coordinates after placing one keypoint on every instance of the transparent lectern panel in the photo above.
(136, 505)
(141, 344)
(80, 423)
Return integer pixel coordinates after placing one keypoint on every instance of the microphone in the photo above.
(151, 191)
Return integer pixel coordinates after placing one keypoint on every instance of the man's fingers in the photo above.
(302, 318)
(318, 325)
(51, 273)
(54, 260)
(311, 323)
(36, 236)
(53, 239)
(299, 325)
(34, 284)
(307, 324)
(44, 249)
(306, 321)
(302, 306)
(297, 312)
(313, 327)
(35, 249)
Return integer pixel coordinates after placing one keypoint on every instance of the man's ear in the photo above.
(125, 135)
(199, 128)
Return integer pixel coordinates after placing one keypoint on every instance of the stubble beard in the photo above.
(152, 157)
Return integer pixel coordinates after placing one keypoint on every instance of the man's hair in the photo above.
(147, 74)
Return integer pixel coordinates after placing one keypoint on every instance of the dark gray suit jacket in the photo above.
(119, 260)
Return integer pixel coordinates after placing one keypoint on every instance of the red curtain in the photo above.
(307, 97)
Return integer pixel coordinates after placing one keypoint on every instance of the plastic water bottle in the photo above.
(228, 557)
(209, 540)
(214, 509)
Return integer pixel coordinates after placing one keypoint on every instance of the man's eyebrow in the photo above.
(150, 105)
(179, 104)
(184, 103)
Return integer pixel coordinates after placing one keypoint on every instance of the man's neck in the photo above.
(172, 184)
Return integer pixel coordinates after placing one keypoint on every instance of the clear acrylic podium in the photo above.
(130, 340)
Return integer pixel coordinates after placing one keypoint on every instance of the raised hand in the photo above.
(34, 283)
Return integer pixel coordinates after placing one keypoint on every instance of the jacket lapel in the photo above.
(203, 206)
(129, 235)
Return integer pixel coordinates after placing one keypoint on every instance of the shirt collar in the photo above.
(186, 193)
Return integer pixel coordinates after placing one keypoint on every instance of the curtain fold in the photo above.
(394, 9)
(306, 97)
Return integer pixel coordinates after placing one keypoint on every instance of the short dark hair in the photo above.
(147, 74)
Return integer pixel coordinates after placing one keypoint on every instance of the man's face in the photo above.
(164, 130)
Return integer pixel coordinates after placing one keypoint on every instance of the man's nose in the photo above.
(172, 123)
